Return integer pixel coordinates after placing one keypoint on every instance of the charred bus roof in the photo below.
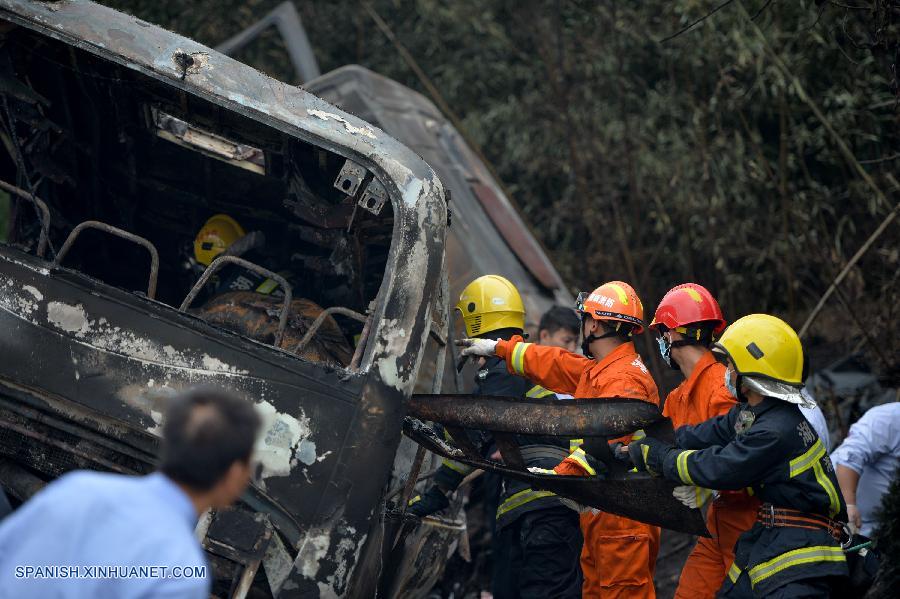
(128, 139)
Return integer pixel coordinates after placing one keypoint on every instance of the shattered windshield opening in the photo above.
(195, 183)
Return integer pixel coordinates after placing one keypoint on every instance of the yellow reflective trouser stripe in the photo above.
(681, 463)
(734, 573)
(457, 467)
(812, 458)
(803, 463)
(638, 435)
(750, 491)
(538, 391)
(575, 444)
(581, 458)
(797, 557)
(518, 357)
(521, 498)
(267, 287)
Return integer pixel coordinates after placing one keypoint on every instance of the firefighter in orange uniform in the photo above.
(687, 319)
(619, 555)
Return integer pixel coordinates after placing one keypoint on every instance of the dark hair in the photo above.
(206, 430)
(559, 317)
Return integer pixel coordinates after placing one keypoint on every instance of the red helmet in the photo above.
(687, 306)
(616, 301)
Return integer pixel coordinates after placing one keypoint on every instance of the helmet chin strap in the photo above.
(586, 344)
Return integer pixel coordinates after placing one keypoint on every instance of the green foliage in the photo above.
(887, 538)
(692, 160)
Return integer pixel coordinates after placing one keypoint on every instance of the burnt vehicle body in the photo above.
(121, 139)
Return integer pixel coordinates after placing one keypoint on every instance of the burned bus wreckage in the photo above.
(120, 141)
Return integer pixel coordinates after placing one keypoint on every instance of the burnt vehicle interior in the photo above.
(147, 165)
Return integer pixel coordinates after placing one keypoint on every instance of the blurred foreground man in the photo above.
(537, 539)
(867, 461)
(140, 529)
(764, 443)
(687, 320)
(619, 554)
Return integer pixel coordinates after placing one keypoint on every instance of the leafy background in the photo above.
(694, 159)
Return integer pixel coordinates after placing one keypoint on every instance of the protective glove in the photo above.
(477, 347)
(428, 503)
(647, 454)
(620, 452)
(854, 519)
(537, 470)
(691, 496)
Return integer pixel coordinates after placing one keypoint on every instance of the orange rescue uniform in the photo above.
(698, 398)
(619, 555)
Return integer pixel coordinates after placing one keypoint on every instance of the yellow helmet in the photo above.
(768, 353)
(219, 232)
(490, 303)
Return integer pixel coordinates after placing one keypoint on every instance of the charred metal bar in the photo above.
(221, 261)
(462, 439)
(42, 209)
(94, 224)
(18, 481)
(597, 417)
(509, 449)
(314, 327)
(361, 346)
(634, 495)
(410, 484)
(246, 579)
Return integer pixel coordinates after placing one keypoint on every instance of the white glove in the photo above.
(691, 496)
(578, 507)
(477, 347)
(854, 519)
(537, 470)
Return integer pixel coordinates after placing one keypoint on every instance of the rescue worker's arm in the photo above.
(742, 463)
(715, 431)
(551, 367)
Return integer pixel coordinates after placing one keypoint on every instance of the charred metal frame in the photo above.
(618, 491)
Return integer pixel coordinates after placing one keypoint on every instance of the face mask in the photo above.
(729, 385)
(665, 350)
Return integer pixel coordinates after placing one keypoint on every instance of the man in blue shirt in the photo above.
(92, 534)
(867, 462)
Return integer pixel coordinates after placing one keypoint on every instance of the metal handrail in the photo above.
(317, 323)
(221, 261)
(42, 209)
(95, 224)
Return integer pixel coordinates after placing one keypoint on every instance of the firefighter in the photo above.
(766, 445)
(686, 322)
(538, 539)
(619, 554)
(222, 234)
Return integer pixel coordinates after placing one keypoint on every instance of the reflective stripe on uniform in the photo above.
(538, 392)
(797, 557)
(457, 467)
(681, 462)
(579, 457)
(734, 573)
(812, 458)
(638, 435)
(521, 498)
(518, 357)
(267, 287)
(575, 444)
(805, 462)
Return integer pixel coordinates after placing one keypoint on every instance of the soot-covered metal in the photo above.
(108, 119)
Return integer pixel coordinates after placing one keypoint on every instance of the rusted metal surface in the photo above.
(43, 213)
(110, 358)
(607, 417)
(633, 495)
(223, 261)
(97, 225)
